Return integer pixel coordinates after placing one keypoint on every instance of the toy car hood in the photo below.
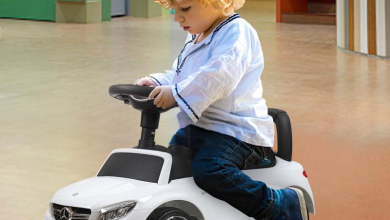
(97, 192)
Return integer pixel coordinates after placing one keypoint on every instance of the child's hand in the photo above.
(164, 97)
(146, 81)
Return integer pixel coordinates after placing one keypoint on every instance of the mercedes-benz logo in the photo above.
(66, 213)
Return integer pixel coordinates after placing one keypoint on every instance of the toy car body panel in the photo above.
(99, 192)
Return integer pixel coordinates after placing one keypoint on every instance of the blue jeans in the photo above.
(216, 165)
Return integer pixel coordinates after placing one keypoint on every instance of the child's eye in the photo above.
(185, 9)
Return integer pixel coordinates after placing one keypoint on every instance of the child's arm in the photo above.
(217, 78)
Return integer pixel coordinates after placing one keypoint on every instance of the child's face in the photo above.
(195, 17)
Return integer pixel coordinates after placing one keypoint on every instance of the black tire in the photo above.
(169, 213)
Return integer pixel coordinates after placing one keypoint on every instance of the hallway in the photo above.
(58, 123)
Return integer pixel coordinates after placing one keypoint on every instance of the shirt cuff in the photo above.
(155, 80)
(184, 104)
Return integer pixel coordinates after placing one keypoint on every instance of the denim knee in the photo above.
(206, 173)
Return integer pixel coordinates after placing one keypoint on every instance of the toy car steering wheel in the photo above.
(135, 95)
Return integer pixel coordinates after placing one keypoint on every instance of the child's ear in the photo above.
(204, 3)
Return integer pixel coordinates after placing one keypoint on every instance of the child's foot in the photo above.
(289, 205)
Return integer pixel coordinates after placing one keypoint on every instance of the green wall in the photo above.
(106, 10)
(28, 9)
(40, 9)
(144, 8)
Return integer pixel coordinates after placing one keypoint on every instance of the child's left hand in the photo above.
(164, 97)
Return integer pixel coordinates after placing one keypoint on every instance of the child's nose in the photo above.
(178, 17)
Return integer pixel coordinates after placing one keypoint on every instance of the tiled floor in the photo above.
(58, 122)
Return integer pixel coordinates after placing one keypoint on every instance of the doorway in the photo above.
(120, 8)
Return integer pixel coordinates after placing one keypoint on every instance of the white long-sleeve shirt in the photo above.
(218, 86)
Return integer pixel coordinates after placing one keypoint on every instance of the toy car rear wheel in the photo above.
(169, 213)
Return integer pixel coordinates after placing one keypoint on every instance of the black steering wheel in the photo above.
(135, 95)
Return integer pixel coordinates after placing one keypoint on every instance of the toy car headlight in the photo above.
(116, 211)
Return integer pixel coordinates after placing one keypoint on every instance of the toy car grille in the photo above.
(61, 212)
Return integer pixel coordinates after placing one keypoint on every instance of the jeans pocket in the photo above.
(255, 157)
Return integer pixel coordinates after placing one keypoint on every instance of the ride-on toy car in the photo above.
(152, 182)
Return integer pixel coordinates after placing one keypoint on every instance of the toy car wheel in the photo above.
(169, 213)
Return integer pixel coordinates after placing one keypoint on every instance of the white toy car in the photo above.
(151, 182)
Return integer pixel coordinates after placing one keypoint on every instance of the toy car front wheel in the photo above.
(169, 213)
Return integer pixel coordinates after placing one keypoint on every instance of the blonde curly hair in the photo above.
(225, 6)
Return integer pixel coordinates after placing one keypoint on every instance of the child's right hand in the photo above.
(146, 81)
